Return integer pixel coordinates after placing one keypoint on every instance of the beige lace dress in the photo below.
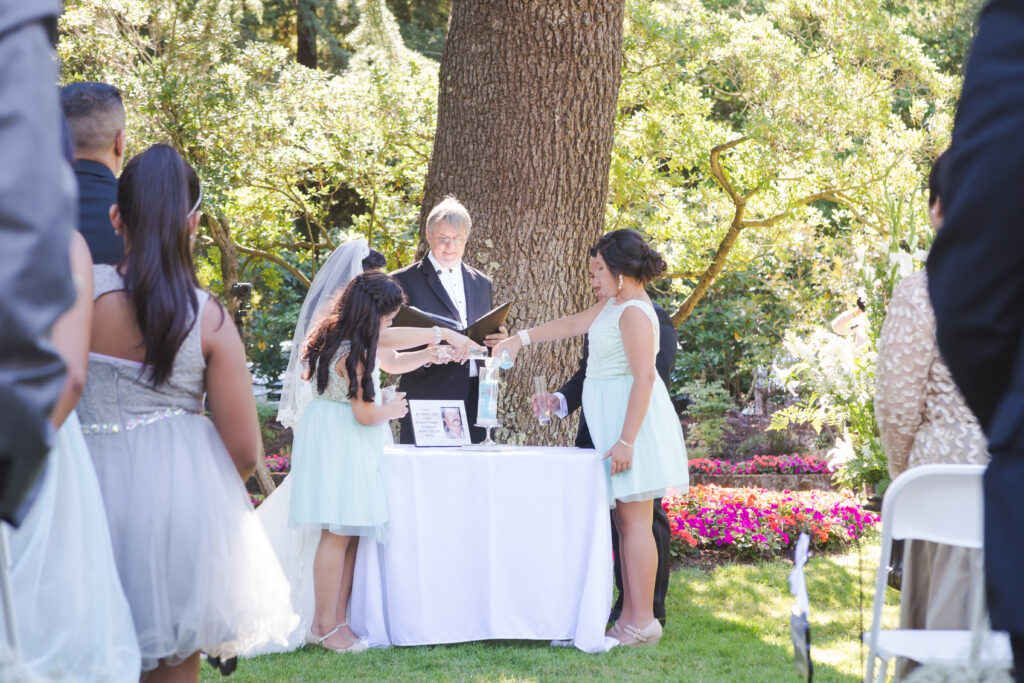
(922, 418)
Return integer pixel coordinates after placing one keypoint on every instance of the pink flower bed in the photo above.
(763, 464)
(754, 522)
(279, 462)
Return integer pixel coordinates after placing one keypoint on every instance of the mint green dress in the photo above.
(659, 455)
(336, 480)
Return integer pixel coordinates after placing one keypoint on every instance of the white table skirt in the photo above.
(512, 544)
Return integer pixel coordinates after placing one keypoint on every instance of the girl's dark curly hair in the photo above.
(626, 253)
(354, 315)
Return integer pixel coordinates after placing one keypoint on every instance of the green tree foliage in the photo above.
(421, 23)
(775, 149)
(756, 129)
(292, 159)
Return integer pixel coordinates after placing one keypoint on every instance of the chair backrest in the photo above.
(939, 503)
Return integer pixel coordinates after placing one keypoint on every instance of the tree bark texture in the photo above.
(305, 34)
(526, 115)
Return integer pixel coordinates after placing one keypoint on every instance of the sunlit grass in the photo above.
(727, 624)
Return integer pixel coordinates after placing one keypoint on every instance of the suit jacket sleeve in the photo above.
(36, 217)
(976, 267)
(668, 346)
(573, 388)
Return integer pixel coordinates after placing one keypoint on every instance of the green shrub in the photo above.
(708, 402)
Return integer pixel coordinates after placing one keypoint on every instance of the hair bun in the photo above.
(652, 264)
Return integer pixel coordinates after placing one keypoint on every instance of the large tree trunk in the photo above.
(526, 113)
(305, 33)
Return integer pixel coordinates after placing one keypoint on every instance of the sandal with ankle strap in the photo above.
(356, 647)
(650, 635)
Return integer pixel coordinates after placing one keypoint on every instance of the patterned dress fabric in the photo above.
(922, 418)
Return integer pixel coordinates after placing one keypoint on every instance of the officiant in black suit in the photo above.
(570, 397)
(443, 285)
(976, 283)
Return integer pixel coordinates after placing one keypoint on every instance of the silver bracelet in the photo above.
(524, 337)
(437, 334)
(628, 445)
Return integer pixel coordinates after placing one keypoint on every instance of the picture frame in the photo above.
(439, 422)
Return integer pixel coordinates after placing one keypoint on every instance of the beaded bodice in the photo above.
(922, 416)
(606, 354)
(337, 385)
(118, 395)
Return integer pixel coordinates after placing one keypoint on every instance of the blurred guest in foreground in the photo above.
(976, 282)
(37, 197)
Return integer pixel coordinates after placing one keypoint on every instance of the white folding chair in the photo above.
(942, 504)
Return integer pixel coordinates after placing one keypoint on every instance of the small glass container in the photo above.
(540, 387)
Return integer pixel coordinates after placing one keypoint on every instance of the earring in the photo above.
(620, 281)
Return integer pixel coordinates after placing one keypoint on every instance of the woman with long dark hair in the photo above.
(336, 483)
(195, 564)
(628, 411)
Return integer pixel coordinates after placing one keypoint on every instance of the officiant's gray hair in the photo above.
(452, 212)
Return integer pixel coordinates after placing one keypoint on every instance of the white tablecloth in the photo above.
(513, 544)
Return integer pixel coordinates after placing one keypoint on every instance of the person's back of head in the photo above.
(96, 115)
(157, 209)
(354, 315)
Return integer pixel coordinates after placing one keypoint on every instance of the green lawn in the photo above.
(727, 624)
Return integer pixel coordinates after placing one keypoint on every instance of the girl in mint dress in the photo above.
(335, 477)
(628, 411)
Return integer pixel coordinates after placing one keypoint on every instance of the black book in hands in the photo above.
(488, 323)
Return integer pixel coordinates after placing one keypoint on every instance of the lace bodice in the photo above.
(606, 354)
(922, 416)
(118, 394)
(337, 385)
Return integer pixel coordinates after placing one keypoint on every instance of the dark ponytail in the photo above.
(154, 199)
(353, 315)
(626, 253)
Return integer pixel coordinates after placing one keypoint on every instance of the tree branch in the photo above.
(719, 173)
(267, 256)
(803, 201)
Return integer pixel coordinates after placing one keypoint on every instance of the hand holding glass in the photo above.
(542, 409)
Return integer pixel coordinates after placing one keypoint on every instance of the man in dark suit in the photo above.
(37, 206)
(96, 116)
(569, 398)
(443, 285)
(976, 282)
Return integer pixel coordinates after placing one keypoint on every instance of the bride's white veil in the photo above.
(341, 266)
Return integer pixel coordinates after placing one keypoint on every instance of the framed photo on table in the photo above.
(439, 423)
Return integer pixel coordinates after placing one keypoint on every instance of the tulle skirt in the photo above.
(195, 563)
(659, 454)
(73, 620)
(336, 480)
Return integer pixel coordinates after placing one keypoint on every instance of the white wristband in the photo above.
(524, 337)
(437, 334)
